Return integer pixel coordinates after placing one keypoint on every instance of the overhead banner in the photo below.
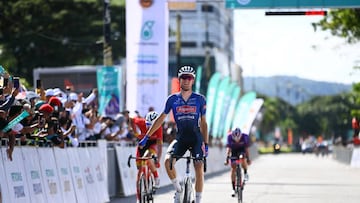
(267, 4)
(146, 55)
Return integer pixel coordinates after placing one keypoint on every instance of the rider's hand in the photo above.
(143, 141)
(206, 150)
(226, 162)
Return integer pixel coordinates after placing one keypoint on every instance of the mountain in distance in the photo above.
(292, 89)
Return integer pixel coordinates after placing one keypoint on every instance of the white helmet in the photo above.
(186, 70)
(236, 134)
(151, 117)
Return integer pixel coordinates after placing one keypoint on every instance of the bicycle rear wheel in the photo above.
(142, 189)
(188, 190)
(239, 189)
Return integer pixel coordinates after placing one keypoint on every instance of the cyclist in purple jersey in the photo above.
(237, 144)
(189, 111)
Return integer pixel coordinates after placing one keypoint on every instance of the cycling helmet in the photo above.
(186, 70)
(236, 134)
(151, 117)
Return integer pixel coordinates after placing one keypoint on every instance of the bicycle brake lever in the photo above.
(128, 163)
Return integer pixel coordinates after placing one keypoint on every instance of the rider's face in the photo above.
(186, 82)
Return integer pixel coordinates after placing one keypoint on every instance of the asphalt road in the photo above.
(281, 178)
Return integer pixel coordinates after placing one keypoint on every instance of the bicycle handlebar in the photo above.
(188, 158)
(140, 158)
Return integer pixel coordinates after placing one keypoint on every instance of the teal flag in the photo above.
(225, 108)
(230, 112)
(2, 70)
(198, 79)
(109, 80)
(16, 120)
(242, 110)
(220, 97)
(210, 97)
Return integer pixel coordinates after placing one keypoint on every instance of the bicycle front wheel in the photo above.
(239, 189)
(142, 189)
(188, 190)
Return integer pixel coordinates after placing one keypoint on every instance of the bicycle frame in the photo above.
(146, 180)
(239, 180)
(188, 194)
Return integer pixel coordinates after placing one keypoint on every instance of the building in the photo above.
(206, 39)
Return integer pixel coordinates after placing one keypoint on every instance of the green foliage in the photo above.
(51, 33)
(343, 23)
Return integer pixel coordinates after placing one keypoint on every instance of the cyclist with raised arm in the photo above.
(140, 126)
(237, 144)
(189, 110)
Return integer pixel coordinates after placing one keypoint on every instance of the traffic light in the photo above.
(296, 13)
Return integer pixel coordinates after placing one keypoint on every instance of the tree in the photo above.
(50, 33)
(343, 23)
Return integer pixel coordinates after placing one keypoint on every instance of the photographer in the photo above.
(49, 126)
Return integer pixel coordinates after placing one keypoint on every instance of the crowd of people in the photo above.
(54, 117)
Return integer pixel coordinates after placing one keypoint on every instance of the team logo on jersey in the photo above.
(186, 109)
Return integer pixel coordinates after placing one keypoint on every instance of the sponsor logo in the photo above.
(146, 3)
(186, 109)
(146, 30)
(243, 2)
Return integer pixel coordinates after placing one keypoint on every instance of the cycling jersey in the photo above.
(139, 126)
(237, 147)
(187, 115)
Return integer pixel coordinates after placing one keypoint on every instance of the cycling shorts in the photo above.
(150, 145)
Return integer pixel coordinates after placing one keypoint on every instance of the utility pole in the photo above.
(207, 45)
(178, 40)
(107, 51)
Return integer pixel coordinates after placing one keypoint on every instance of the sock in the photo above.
(233, 185)
(156, 174)
(176, 184)
(198, 197)
(245, 171)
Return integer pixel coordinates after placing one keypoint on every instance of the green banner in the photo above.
(225, 108)
(210, 97)
(267, 4)
(242, 109)
(218, 107)
(230, 113)
(109, 82)
(198, 79)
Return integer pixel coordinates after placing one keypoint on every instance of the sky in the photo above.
(288, 45)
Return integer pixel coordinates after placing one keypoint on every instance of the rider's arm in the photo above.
(247, 154)
(158, 123)
(204, 129)
(228, 152)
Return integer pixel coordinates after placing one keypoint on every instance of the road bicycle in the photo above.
(239, 177)
(145, 185)
(188, 194)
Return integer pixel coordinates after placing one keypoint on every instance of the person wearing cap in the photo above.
(50, 126)
(48, 94)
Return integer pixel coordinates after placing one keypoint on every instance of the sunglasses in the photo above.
(186, 77)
